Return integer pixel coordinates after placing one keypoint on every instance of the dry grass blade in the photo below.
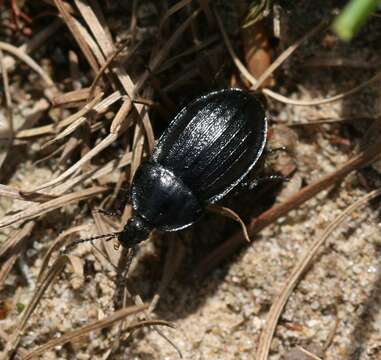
(6, 268)
(72, 98)
(77, 35)
(172, 10)
(12, 193)
(297, 273)
(369, 155)
(118, 126)
(77, 264)
(90, 41)
(4, 72)
(96, 325)
(106, 46)
(99, 108)
(6, 130)
(55, 270)
(11, 249)
(37, 131)
(40, 209)
(27, 60)
(193, 50)
(137, 150)
(147, 124)
(337, 97)
(15, 239)
(58, 243)
(163, 52)
(96, 104)
(238, 63)
(276, 96)
(224, 211)
(107, 63)
(309, 353)
(110, 167)
(101, 36)
(75, 120)
(35, 42)
(287, 53)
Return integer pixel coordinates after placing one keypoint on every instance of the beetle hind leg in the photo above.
(253, 184)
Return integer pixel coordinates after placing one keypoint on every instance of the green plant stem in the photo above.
(352, 17)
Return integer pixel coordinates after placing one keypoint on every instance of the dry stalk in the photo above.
(276, 96)
(288, 52)
(35, 42)
(164, 50)
(297, 273)
(309, 354)
(97, 325)
(77, 119)
(15, 240)
(118, 126)
(83, 44)
(57, 244)
(172, 10)
(27, 60)
(50, 275)
(40, 209)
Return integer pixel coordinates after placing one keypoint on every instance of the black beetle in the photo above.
(207, 150)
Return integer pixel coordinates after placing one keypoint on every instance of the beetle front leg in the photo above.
(111, 213)
(118, 210)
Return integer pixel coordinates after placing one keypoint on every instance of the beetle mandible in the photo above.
(207, 150)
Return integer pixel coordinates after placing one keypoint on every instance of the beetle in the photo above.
(208, 149)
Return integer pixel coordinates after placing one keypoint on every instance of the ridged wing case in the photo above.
(214, 142)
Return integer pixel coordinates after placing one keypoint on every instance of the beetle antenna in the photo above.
(75, 243)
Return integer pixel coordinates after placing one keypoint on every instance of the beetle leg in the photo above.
(271, 150)
(111, 213)
(118, 208)
(127, 192)
(251, 185)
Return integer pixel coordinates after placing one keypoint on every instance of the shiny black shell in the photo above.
(206, 151)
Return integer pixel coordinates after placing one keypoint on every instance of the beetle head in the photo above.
(135, 231)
